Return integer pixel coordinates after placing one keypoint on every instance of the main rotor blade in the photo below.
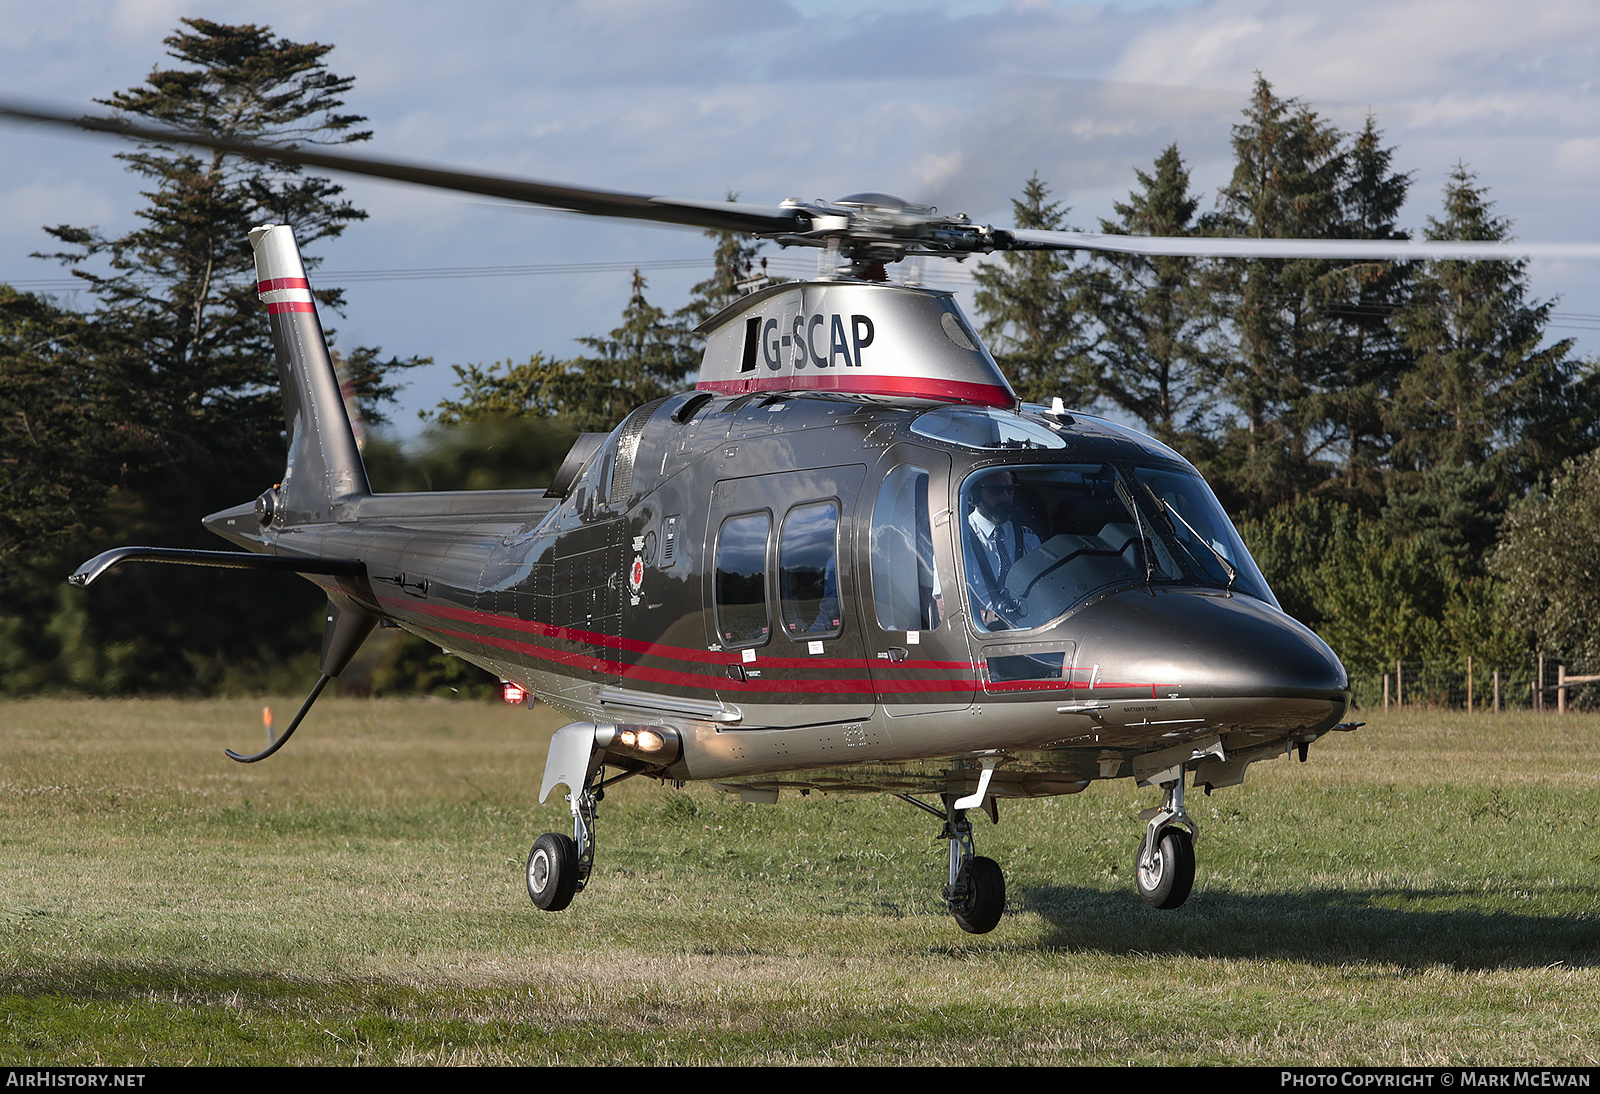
(1375, 250)
(721, 216)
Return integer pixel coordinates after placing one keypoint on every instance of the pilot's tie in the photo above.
(1001, 552)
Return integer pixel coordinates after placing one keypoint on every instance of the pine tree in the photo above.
(63, 441)
(1290, 165)
(1487, 409)
(1372, 357)
(640, 360)
(1030, 318)
(1149, 359)
(179, 348)
(178, 310)
(736, 263)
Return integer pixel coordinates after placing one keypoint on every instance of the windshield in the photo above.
(1038, 540)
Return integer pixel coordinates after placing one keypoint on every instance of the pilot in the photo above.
(995, 541)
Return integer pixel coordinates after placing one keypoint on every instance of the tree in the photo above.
(734, 265)
(1292, 365)
(1149, 359)
(176, 360)
(1486, 408)
(1373, 355)
(178, 310)
(641, 360)
(1029, 317)
(63, 442)
(638, 361)
(1549, 560)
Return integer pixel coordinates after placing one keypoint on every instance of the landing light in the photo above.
(512, 693)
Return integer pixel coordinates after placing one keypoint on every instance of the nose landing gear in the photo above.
(1163, 870)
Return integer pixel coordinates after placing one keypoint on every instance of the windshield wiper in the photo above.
(1170, 512)
(1144, 539)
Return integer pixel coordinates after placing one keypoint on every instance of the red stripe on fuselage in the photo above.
(712, 678)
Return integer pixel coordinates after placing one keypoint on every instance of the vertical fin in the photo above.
(324, 468)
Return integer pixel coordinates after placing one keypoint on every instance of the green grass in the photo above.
(1424, 891)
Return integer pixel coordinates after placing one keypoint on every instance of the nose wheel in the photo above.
(1165, 875)
(1163, 869)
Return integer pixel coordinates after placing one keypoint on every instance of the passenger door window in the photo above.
(808, 571)
(741, 583)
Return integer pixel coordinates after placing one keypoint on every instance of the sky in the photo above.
(951, 104)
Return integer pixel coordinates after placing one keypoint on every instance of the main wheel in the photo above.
(986, 897)
(553, 871)
(1167, 882)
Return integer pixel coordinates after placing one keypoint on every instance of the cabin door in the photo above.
(780, 584)
(916, 643)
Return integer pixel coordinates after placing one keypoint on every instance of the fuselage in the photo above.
(793, 582)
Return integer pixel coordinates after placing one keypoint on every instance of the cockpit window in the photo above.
(1186, 510)
(983, 427)
(1038, 540)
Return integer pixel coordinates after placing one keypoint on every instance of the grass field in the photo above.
(1424, 891)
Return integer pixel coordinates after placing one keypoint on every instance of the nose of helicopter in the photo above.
(1206, 643)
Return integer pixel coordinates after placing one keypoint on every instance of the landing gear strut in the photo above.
(558, 865)
(1164, 866)
(976, 894)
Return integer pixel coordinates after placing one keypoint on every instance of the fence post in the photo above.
(1561, 688)
(1538, 687)
(1386, 693)
(1469, 685)
(1497, 691)
(1399, 686)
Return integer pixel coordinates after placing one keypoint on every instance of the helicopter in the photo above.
(850, 559)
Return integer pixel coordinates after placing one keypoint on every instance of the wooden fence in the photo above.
(1544, 683)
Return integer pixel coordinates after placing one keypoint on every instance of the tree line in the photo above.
(1383, 432)
(1397, 440)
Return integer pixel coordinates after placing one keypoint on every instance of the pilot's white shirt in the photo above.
(984, 531)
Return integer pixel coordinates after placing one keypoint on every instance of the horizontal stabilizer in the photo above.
(231, 560)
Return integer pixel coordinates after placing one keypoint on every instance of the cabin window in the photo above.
(741, 580)
(808, 571)
(906, 592)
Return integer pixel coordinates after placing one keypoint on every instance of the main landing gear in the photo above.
(1164, 866)
(976, 893)
(558, 865)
